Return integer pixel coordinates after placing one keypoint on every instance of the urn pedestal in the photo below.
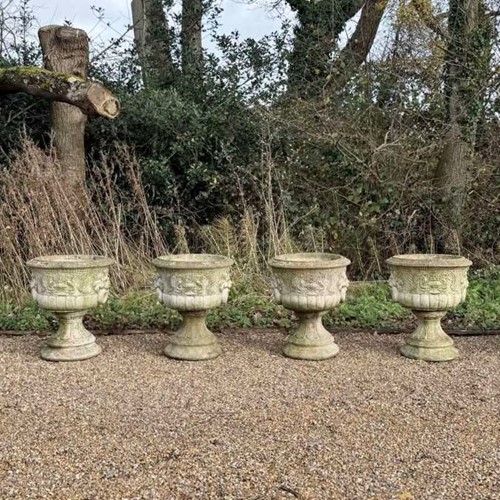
(310, 284)
(193, 284)
(68, 286)
(429, 285)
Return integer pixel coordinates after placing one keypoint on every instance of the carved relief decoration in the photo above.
(194, 283)
(325, 283)
(432, 281)
(70, 283)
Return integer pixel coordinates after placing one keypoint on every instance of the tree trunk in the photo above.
(354, 54)
(66, 50)
(91, 97)
(466, 72)
(319, 25)
(139, 23)
(192, 51)
(154, 40)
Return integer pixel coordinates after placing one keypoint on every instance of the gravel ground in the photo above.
(251, 424)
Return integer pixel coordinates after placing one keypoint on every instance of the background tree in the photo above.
(316, 35)
(66, 50)
(154, 40)
(467, 63)
(192, 50)
(357, 48)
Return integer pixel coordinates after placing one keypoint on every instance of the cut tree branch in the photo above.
(90, 96)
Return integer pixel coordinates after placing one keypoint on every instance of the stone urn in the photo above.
(68, 286)
(429, 285)
(310, 284)
(193, 284)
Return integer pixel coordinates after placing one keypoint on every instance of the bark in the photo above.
(66, 50)
(466, 72)
(354, 54)
(154, 39)
(429, 19)
(139, 23)
(319, 25)
(192, 50)
(90, 97)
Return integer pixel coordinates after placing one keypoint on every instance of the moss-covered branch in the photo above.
(91, 97)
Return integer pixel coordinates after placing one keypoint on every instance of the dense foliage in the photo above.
(349, 170)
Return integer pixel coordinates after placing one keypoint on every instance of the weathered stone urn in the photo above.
(429, 285)
(310, 284)
(68, 286)
(193, 284)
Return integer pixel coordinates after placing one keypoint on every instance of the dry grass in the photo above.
(38, 216)
(111, 216)
(254, 239)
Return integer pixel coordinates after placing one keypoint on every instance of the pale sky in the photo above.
(251, 18)
(252, 21)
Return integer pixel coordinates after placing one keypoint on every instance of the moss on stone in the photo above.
(35, 71)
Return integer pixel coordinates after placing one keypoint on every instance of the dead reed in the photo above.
(38, 216)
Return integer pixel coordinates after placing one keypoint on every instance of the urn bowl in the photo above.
(70, 282)
(193, 282)
(309, 281)
(429, 282)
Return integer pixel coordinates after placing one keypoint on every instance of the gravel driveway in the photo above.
(132, 424)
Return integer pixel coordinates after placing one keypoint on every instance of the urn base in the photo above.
(193, 341)
(72, 341)
(70, 353)
(430, 354)
(429, 342)
(311, 340)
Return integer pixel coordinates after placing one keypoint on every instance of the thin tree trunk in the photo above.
(154, 39)
(192, 50)
(66, 50)
(466, 72)
(139, 23)
(358, 47)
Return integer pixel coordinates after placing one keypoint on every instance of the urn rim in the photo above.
(70, 261)
(309, 260)
(429, 260)
(192, 261)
